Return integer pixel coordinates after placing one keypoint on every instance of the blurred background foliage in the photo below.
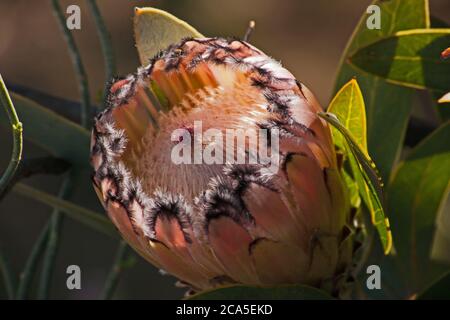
(308, 37)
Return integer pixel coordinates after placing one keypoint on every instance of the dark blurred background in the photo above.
(308, 37)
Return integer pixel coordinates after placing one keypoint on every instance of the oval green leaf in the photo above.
(348, 106)
(416, 195)
(396, 15)
(155, 30)
(410, 58)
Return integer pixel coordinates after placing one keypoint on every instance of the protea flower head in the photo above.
(222, 223)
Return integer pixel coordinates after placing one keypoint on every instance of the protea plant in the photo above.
(220, 168)
(217, 224)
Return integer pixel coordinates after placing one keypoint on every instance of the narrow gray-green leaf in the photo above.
(416, 195)
(296, 292)
(90, 218)
(55, 134)
(155, 30)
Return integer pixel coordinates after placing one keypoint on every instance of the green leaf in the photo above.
(396, 15)
(348, 106)
(355, 199)
(296, 292)
(417, 193)
(410, 58)
(440, 290)
(366, 176)
(387, 106)
(55, 134)
(92, 219)
(155, 30)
